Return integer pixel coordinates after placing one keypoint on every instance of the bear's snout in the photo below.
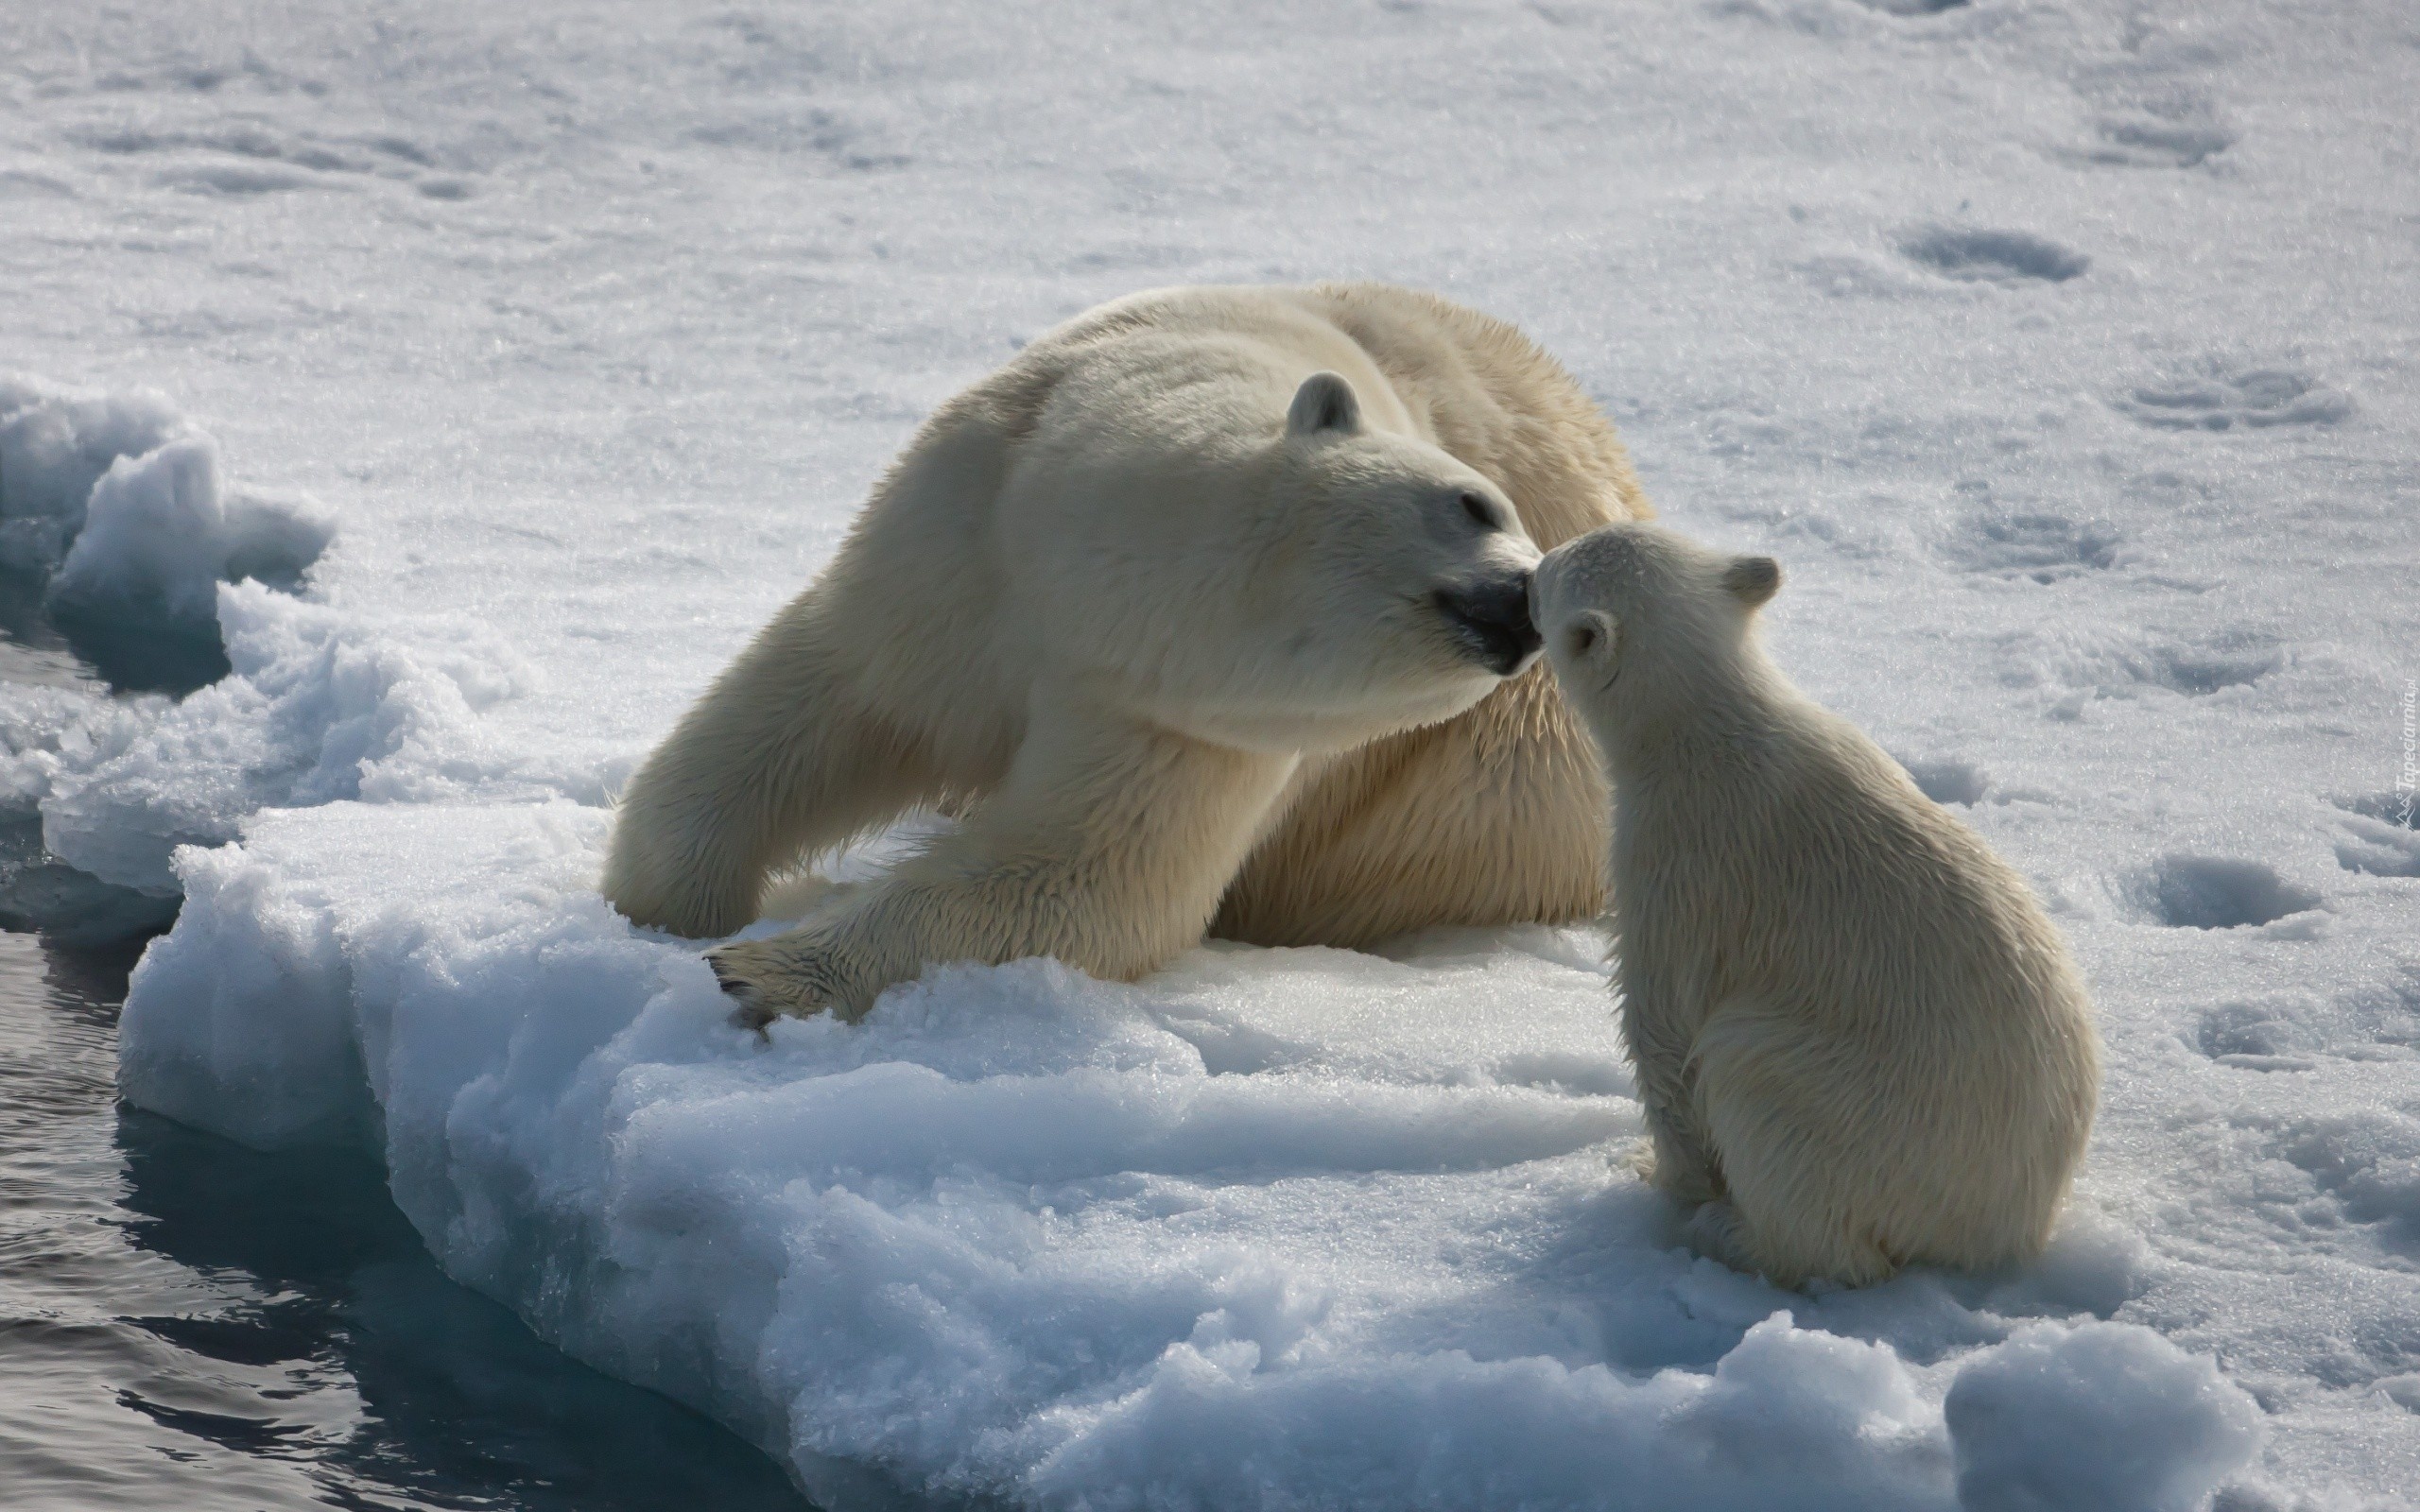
(1492, 618)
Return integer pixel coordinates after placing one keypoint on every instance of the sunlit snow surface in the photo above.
(2065, 355)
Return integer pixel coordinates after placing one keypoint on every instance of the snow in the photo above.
(2062, 351)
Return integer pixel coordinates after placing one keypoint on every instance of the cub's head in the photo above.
(1639, 621)
(1389, 583)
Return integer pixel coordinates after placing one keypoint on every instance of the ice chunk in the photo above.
(2107, 1415)
(118, 500)
(161, 532)
(55, 445)
(206, 1050)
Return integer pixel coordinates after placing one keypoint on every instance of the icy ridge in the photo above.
(318, 708)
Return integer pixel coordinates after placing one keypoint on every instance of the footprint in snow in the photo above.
(2267, 1034)
(2385, 834)
(2365, 1166)
(2199, 671)
(2296, 1030)
(1979, 255)
(253, 158)
(2128, 664)
(2142, 139)
(2186, 891)
(1949, 781)
(2036, 544)
(1565, 1074)
(2218, 397)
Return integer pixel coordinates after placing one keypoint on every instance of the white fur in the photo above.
(1162, 591)
(1849, 1018)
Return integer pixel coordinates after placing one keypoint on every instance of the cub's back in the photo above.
(1815, 871)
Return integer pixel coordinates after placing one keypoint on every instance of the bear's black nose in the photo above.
(1493, 619)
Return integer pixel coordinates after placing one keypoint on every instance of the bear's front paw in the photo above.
(1674, 1167)
(770, 978)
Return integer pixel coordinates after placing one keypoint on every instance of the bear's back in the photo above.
(1494, 399)
(1477, 387)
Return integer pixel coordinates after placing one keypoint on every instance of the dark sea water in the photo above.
(187, 1324)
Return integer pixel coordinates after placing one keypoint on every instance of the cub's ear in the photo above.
(1324, 403)
(1753, 579)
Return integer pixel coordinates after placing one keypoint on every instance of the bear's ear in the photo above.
(1753, 579)
(1324, 403)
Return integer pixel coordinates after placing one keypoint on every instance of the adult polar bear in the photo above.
(1199, 613)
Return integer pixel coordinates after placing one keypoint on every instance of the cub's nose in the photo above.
(1492, 618)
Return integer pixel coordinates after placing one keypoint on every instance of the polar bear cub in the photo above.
(1848, 1017)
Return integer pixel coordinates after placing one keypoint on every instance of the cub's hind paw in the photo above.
(1638, 1156)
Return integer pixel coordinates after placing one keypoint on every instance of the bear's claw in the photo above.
(748, 1007)
(767, 980)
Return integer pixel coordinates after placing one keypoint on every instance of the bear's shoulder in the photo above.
(1498, 402)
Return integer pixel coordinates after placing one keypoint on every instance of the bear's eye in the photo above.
(1481, 512)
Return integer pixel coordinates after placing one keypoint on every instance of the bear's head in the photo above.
(1385, 586)
(1642, 624)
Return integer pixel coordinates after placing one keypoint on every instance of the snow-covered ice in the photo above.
(1270, 1227)
(2063, 352)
